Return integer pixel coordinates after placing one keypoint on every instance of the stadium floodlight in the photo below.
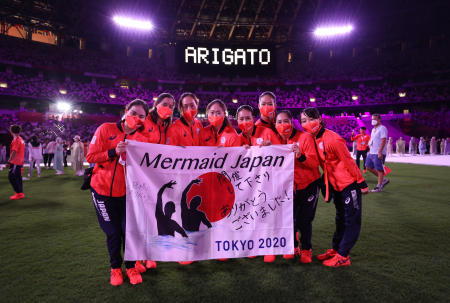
(63, 91)
(63, 106)
(235, 100)
(112, 96)
(132, 23)
(3, 85)
(155, 98)
(354, 97)
(312, 99)
(402, 94)
(330, 31)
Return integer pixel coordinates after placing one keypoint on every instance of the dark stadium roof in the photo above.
(250, 21)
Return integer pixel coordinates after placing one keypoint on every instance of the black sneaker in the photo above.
(377, 189)
(385, 182)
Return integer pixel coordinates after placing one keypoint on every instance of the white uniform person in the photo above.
(77, 156)
(35, 156)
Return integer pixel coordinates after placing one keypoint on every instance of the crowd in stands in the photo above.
(288, 97)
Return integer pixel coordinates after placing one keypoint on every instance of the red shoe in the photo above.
(17, 196)
(296, 253)
(116, 276)
(269, 258)
(134, 276)
(223, 259)
(337, 261)
(327, 255)
(251, 257)
(288, 257)
(185, 262)
(139, 267)
(305, 256)
(150, 264)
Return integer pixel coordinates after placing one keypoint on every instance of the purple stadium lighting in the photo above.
(132, 23)
(331, 31)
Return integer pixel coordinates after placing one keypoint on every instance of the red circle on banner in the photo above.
(217, 195)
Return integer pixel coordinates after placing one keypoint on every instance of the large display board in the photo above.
(222, 59)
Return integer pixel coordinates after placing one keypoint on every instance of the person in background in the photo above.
(390, 147)
(412, 146)
(400, 146)
(422, 146)
(58, 152)
(2, 154)
(344, 184)
(433, 146)
(447, 146)
(362, 140)
(377, 154)
(65, 152)
(45, 153)
(51, 146)
(35, 148)
(77, 154)
(15, 162)
(306, 183)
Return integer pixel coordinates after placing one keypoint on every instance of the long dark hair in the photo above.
(312, 112)
(224, 108)
(184, 95)
(138, 102)
(153, 112)
(244, 107)
(34, 141)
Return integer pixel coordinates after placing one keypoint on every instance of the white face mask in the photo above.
(374, 122)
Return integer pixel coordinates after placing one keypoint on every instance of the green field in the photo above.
(52, 250)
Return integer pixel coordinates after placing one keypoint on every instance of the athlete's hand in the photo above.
(171, 184)
(246, 146)
(296, 150)
(265, 143)
(121, 147)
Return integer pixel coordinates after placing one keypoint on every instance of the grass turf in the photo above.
(52, 250)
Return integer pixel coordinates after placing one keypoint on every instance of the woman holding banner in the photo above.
(156, 125)
(159, 119)
(186, 130)
(219, 132)
(255, 135)
(343, 182)
(306, 181)
(108, 183)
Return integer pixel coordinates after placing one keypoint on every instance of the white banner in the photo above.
(197, 203)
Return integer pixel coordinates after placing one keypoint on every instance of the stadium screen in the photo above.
(220, 59)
